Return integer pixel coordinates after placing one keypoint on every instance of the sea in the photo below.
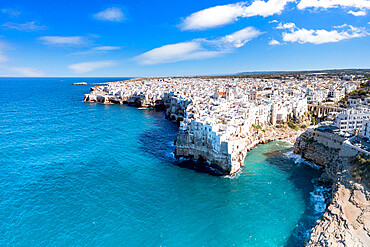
(87, 174)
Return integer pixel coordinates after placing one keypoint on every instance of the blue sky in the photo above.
(167, 38)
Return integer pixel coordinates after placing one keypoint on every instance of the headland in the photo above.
(222, 118)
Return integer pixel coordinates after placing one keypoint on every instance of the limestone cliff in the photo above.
(226, 161)
(346, 221)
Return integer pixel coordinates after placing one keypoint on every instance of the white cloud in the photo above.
(110, 14)
(274, 42)
(27, 71)
(357, 13)
(11, 12)
(198, 48)
(273, 21)
(289, 25)
(241, 37)
(175, 52)
(321, 36)
(212, 17)
(265, 9)
(106, 48)
(98, 49)
(90, 66)
(62, 40)
(226, 14)
(28, 26)
(326, 4)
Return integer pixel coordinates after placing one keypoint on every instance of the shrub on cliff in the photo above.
(292, 125)
(257, 126)
(360, 168)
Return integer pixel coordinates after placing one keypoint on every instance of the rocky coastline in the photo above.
(220, 140)
(346, 220)
(196, 148)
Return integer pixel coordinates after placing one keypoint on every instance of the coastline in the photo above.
(203, 156)
(346, 220)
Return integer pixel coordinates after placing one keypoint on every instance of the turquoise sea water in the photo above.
(84, 174)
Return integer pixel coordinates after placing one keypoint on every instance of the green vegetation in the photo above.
(257, 126)
(327, 100)
(360, 165)
(364, 85)
(278, 126)
(313, 119)
(359, 93)
(344, 101)
(292, 125)
(303, 126)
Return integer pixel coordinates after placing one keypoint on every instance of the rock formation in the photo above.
(346, 221)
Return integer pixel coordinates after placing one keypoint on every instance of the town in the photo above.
(222, 118)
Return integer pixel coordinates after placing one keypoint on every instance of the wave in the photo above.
(233, 176)
(318, 197)
(299, 160)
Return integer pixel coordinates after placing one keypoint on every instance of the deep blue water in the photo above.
(85, 174)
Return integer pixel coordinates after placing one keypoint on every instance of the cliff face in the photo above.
(346, 221)
(318, 153)
(227, 160)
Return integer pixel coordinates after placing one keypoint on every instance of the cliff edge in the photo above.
(346, 221)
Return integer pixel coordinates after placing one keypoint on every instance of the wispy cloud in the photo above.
(357, 13)
(240, 38)
(3, 47)
(198, 48)
(27, 71)
(326, 4)
(27, 27)
(90, 66)
(110, 14)
(98, 49)
(176, 52)
(19, 70)
(106, 48)
(225, 14)
(11, 12)
(63, 40)
(321, 36)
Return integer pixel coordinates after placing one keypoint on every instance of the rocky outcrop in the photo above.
(346, 221)
(318, 153)
(229, 162)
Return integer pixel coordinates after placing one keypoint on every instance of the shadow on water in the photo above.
(304, 178)
(160, 142)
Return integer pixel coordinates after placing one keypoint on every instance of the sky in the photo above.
(114, 38)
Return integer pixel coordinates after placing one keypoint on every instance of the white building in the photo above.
(351, 120)
(366, 128)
